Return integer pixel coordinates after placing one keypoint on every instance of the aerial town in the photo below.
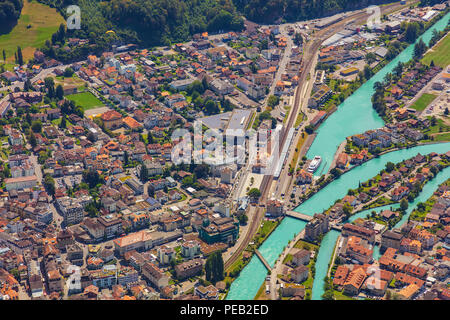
(335, 182)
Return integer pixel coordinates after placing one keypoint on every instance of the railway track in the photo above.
(310, 51)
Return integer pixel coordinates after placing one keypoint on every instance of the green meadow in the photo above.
(36, 24)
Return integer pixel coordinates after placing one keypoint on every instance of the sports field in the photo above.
(86, 100)
(36, 24)
(439, 54)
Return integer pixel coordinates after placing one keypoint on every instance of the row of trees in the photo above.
(214, 267)
(264, 11)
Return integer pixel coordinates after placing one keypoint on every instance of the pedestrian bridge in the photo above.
(299, 215)
(264, 261)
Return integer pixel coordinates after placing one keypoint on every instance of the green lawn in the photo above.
(442, 137)
(439, 54)
(340, 296)
(44, 21)
(86, 100)
(423, 101)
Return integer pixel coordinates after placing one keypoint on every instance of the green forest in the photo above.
(163, 22)
(151, 22)
(264, 11)
(9, 12)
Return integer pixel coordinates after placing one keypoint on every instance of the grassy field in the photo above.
(86, 100)
(439, 53)
(71, 81)
(423, 101)
(442, 137)
(297, 150)
(44, 21)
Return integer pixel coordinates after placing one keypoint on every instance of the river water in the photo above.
(252, 276)
(328, 242)
(354, 115)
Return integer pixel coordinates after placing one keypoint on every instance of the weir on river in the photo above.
(354, 115)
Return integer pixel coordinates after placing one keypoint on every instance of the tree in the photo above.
(68, 72)
(144, 173)
(398, 69)
(419, 49)
(328, 295)
(36, 126)
(49, 184)
(91, 209)
(347, 209)
(367, 72)
(272, 101)
(378, 86)
(309, 129)
(187, 181)
(59, 92)
(243, 219)
(32, 140)
(433, 121)
(202, 170)
(205, 84)
(50, 86)
(91, 177)
(214, 267)
(336, 172)
(19, 56)
(63, 123)
(254, 193)
(208, 269)
(390, 166)
(371, 58)
(412, 31)
(298, 39)
(125, 156)
(403, 204)
(27, 85)
(211, 107)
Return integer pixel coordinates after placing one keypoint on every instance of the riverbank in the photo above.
(356, 114)
(264, 231)
(250, 279)
(323, 181)
(332, 235)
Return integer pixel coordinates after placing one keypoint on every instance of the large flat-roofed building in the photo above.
(221, 87)
(144, 240)
(219, 230)
(20, 183)
(181, 84)
(137, 186)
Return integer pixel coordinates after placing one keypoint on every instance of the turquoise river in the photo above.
(354, 115)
